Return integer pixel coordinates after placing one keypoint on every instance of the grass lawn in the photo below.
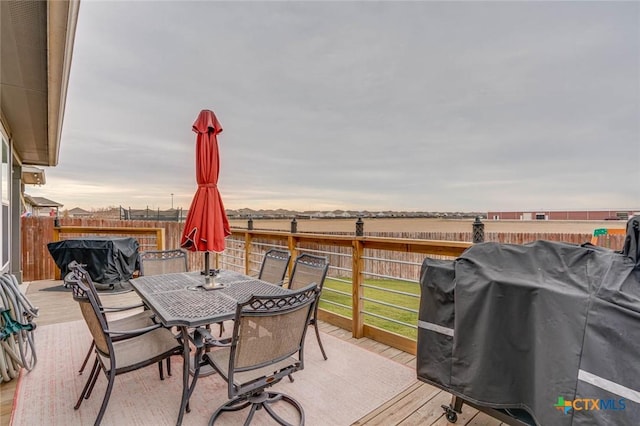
(371, 306)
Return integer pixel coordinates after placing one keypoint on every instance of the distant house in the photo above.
(78, 212)
(40, 206)
(171, 215)
(611, 214)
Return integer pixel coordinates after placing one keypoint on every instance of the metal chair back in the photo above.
(274, 266)
(308, 269)
(156, 262)
(86, 295)
(267, 345)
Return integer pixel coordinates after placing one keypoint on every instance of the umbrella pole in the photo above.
(207, 269)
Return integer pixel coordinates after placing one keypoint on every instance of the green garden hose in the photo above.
(17, 348)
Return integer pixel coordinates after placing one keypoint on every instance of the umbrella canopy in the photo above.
(207, 225)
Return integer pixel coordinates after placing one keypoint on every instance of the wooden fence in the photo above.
(37, 232)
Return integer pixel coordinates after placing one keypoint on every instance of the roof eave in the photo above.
(62, 18)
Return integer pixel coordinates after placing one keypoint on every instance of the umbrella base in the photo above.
(214, 286)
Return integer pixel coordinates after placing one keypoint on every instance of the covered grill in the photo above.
(544, 333)
(109, 260)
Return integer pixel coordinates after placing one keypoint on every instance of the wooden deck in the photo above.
(420, 404)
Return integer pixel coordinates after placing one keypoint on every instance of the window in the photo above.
(5, 183)
(5, 172)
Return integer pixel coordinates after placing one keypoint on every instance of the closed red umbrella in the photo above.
(207, 225)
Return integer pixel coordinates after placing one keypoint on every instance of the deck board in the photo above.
(388, 405)
(428, 412)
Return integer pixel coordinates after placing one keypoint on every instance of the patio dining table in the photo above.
(180, 300)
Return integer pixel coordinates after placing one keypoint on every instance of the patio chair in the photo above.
(266, 345)
(274, 266)
(273, 269)
(131, 322)
(155, 262)
(117, 351)
(308, 269)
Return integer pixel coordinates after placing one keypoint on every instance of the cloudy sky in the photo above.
(455, 106)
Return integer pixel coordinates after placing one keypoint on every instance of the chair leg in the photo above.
(257, 402)
(315, 325)
(161, 370)
(252, 411)
(236, 404)
(93, 383)
(107, 394)
(274, 397)
(94, 371)
(86, 358)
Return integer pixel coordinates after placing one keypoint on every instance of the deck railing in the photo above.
(372, 287)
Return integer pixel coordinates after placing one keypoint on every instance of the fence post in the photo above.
(294, 226)
(292, 243)
(359, 227)
(357, 301)
(247, 251)
(250, 224)
(478, 231)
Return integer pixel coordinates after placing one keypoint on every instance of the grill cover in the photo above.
(109, 260)
(552, 328)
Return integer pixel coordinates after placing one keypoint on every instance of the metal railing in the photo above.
(372, 287)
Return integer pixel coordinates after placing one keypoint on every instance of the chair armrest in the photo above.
(118, 335)
(203, 338)
(279, 283)
(107, 309)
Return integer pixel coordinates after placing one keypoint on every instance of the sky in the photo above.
(385, 105)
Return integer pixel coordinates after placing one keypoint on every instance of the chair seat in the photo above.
(221, 358)
(131, 322)
(139, 350)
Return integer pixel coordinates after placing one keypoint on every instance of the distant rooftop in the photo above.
(41, 201)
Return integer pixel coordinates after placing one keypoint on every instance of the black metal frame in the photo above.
(506, 416)
(319, 262)
(279, 255)
(84, 293)
(177, 300)
(253, 393)
(70, 279)
(160, 255)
